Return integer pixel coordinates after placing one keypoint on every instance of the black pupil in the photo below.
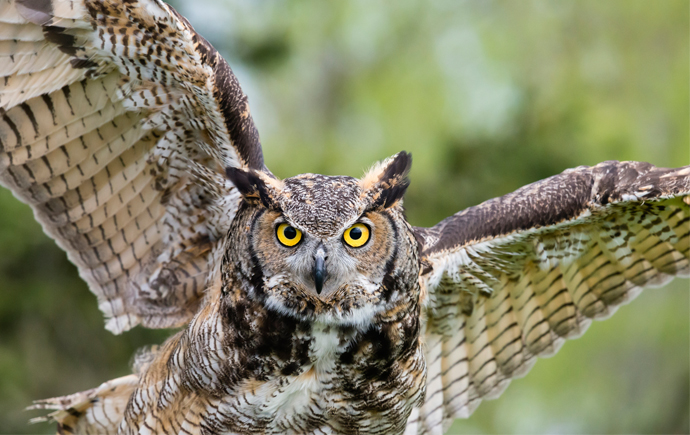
(355, 233)
(290, 233)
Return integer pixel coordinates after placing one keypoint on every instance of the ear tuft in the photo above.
(251, 185)
(387, 182)
(399, 167)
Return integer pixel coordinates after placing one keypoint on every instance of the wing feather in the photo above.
(98, 410)
(513, 278)
(116, 121)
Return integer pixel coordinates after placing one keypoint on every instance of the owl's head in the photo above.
(333, 249)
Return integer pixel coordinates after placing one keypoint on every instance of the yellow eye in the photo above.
(288, 235)
(357, 235)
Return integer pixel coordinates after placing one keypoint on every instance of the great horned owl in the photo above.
(310, 304)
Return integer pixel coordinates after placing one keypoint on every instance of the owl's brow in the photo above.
(362, 218)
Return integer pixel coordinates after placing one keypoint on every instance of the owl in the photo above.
(305, 305)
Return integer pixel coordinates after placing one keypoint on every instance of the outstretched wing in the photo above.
(116, 120)
(510, 279)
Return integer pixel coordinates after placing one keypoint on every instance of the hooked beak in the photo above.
(320, 272)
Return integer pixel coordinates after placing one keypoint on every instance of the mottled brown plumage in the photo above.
(131, 139)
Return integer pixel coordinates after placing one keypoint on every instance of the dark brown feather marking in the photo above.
(233, 102)
(64, 41)
(12, 126)
(546, 202)
(80, 62)
(30, 114)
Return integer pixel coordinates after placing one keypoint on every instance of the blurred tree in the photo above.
(488, 96)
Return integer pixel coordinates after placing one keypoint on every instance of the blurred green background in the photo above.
(488, 96)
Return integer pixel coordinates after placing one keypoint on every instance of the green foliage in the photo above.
(488, 96)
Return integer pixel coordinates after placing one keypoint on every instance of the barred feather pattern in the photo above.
(118, 123)
(265, 353)
(95, 411)
(115, 119)
(496, 304)
(401, 354)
